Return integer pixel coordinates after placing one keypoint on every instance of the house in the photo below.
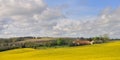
(82, 42)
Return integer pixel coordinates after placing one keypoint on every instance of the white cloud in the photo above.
(106, 23)
(21, 7)
(27, 17)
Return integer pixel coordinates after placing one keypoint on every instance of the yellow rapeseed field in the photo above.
(106, 51)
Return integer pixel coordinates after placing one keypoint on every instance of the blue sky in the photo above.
(82, 8)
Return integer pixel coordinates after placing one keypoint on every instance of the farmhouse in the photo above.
(82, 42)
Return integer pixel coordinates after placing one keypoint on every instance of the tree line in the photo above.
(20, 42)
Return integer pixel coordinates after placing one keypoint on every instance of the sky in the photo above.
(59, 18)
(77, 9)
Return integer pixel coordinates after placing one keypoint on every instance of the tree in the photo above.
(101, 39)
(105, 38)
(60, 41)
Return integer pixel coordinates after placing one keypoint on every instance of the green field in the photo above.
(106, 51)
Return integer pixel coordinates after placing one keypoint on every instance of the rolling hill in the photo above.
(106, 51)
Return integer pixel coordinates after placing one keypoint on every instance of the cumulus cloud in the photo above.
(21, 7)
(26, 17)
(35, 18)
(108, 22)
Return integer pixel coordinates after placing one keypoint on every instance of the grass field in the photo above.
(106, 51)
